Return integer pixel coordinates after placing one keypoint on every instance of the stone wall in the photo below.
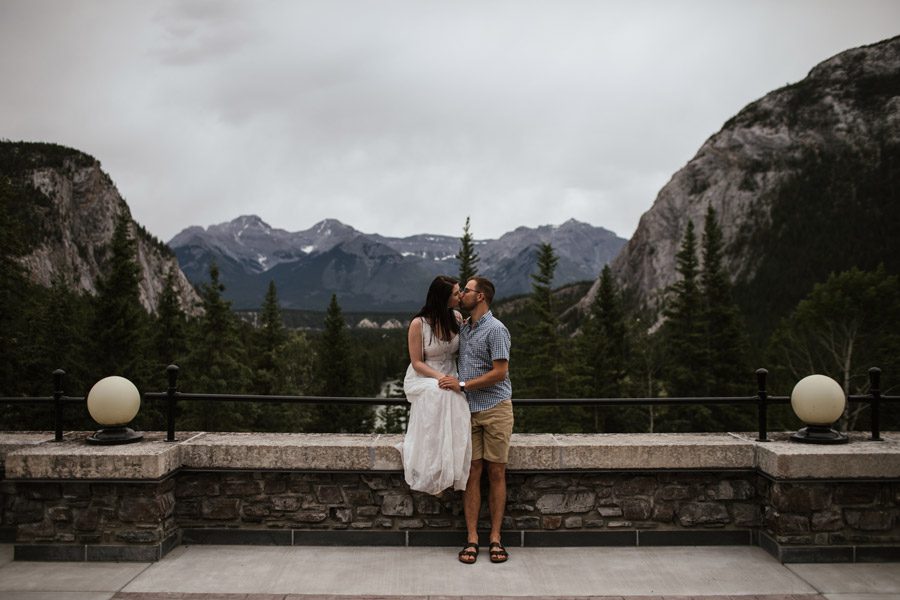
(800, 520)
(837, 520)
(72, 501)
(535, 502)
(81, 520)
(10, 442)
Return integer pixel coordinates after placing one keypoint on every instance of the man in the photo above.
(484, 379)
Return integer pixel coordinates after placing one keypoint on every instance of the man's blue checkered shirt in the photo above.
(480, 344)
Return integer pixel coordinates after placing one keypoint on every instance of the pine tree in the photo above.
(725, 349)
(468, 259)
(604, 343)
(685, 342)
(338, 377)
(647, 363)
(119, 324)
(603, 353)
(269, 337)
(724, 329)
(268, 341)
(168, 345)
(294, 375)
(217, 364)
(541, 367)
(542, 373)
(170, 327)
(295, 362)
(58, 338)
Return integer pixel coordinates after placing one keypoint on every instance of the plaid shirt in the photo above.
(480, 344)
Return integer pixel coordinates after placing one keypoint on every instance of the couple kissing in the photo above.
(460, 395)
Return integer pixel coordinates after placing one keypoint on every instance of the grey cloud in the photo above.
(401, 117)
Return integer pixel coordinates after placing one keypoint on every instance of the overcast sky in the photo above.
(403, 117)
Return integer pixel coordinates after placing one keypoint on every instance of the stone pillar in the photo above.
(71, 501)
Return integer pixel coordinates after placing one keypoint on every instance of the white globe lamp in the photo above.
(818, 401)
(113, 402)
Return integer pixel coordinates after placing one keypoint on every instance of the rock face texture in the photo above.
(804, 182)
(73, 207)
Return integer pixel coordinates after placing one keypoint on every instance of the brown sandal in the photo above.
(468, 557)
(498, 553)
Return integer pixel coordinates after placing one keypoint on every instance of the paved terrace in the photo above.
(336, 573)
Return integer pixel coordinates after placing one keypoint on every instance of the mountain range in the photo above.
(805, 181)
(371, 271)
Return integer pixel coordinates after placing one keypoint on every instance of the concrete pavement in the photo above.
(308, 573)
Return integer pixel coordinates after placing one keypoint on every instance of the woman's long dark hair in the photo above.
(439, 316)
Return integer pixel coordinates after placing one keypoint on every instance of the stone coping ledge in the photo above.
(34, 455)
(860, 459)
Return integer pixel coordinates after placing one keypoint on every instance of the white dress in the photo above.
(437, 448)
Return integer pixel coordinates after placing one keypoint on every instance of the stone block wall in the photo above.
(71, 501)
(535, 502)
(797, 521)
(831, 514)
(140, 515)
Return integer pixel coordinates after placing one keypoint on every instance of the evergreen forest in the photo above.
(698, 343)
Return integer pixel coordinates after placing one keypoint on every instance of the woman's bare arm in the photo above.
(414, 342)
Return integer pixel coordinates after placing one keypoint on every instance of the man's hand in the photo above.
(449, 382)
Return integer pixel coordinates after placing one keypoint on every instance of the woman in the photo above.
(437, 448)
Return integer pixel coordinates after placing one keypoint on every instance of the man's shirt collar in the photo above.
(484, 318)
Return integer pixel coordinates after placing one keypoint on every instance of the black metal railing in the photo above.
(762, 400)
(58, 399)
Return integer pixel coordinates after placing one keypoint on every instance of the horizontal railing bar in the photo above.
(399, 401)
(517, 401)
(41, 399)
(270, 399)
(651, 401)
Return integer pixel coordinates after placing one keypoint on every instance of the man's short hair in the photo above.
(485, 287)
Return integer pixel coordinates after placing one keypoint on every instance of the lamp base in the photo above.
(115, 435)
(819, 434)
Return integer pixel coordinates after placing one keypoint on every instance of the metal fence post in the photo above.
(58, 376)
(875, 393)
(172, 373)
(762, 403)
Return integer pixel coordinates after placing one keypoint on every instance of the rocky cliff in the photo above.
(68, 208)
(804, 181)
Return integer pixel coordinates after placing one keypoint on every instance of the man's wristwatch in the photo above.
(462, 386)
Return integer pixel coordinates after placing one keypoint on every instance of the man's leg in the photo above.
(472, 500)
(497, 498)
(498, 427)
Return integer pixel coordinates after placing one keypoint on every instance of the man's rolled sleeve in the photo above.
(499, 342)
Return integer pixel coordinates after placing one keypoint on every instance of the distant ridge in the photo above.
(371, 271)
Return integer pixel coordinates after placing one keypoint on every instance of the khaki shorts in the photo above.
(491, 430)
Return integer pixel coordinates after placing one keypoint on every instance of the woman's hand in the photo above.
(448, 382)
